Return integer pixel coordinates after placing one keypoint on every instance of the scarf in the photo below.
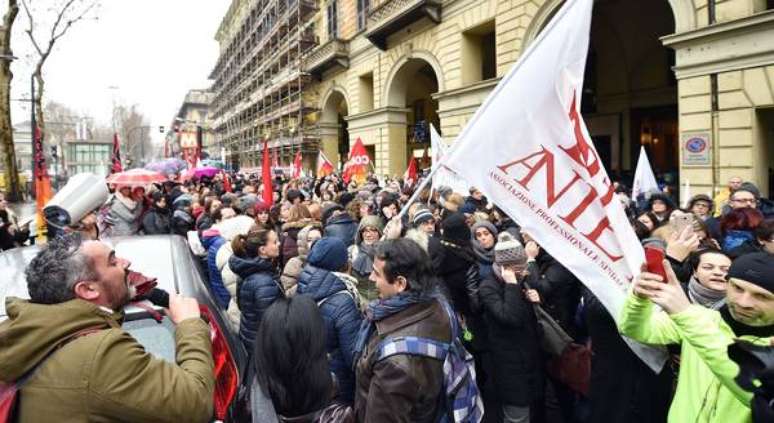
(482, 254)
(364, 261)
(381, 309)
(704, 296)
(740, 329)
(126, 201)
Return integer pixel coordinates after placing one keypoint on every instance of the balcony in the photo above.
(333, 54)
(390, 16)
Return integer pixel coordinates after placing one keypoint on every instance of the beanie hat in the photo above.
(509, 250)
(468, 208)
(756, 268)
(422, 216)
(455, 230)
(751, 188)
(484, 224)
(328, 253)
(443, 192)
(700, 197)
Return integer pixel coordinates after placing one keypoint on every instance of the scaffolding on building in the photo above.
(260, 82)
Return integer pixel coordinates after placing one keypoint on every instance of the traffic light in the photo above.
(161, 129)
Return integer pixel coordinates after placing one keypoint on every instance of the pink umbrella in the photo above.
(200, 172)
(136, 178)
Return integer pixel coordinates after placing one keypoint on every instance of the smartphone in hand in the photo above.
(654, 258)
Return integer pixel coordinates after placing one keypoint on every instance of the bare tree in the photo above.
(7, 151)
(134, 128)
(64, 14)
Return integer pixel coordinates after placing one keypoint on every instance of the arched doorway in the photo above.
(630, 91)
(412, 88)
(334, 129)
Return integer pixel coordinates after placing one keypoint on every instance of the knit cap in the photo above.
(328, 253)
(422, 216)
(756, 268)
(509, 250)
(455, 230)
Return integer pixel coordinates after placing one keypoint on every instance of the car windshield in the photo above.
(157, 338)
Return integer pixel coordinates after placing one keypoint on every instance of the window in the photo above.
(479, 53)
(366, 92)
(333, 22)
(362, 13)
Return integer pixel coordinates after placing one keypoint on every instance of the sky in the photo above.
(153, 51)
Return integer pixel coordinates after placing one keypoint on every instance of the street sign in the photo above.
(696, 149)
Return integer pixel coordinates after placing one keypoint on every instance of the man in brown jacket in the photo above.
(104, 375)
(402, 387)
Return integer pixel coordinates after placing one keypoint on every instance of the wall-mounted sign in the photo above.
(697, 150)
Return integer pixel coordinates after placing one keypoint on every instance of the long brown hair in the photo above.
(298, 212)
(246, 246)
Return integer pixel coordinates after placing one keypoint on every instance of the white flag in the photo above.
(529, 151)
(644, 179)
(444, 176)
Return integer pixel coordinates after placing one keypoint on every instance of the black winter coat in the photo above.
(258, 287)
(559, 290)
(622, 387)
(156, 222)
(342, 322)
(513, 358)
(343, 227)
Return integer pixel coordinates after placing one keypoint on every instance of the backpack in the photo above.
(461, 398)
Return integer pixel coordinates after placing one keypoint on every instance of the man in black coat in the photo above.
(513, 359)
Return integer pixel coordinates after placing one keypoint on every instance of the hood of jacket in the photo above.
(299, 224)
(209, 238)
(372, 221)
(33, 330)
(245, 267)
(319, 283)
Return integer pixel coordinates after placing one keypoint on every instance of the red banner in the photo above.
(268, 191)
(358, 164)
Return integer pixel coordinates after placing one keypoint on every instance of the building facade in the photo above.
(193, 124)
(261, 90)
(690, 80)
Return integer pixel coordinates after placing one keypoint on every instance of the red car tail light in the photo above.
(225, 370)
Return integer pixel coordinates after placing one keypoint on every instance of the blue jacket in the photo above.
(257, 288)
(342, 227)
(342, 321)
(212, 244)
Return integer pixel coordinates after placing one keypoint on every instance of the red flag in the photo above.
(358, 163)
(116, 159)
(268, 191)
(410, 176)
(226, 182)
(297, 165)
(42, 185)
(324, 166)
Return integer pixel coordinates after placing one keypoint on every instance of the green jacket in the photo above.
(706, 391)
(106, 376)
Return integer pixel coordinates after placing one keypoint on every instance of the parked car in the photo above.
(168, 258)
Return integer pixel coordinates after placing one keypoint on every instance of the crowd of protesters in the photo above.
(326, 284)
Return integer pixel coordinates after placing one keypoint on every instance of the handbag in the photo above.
(9, 392)
(553, 340)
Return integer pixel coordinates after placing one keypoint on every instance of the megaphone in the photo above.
(82, 194)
